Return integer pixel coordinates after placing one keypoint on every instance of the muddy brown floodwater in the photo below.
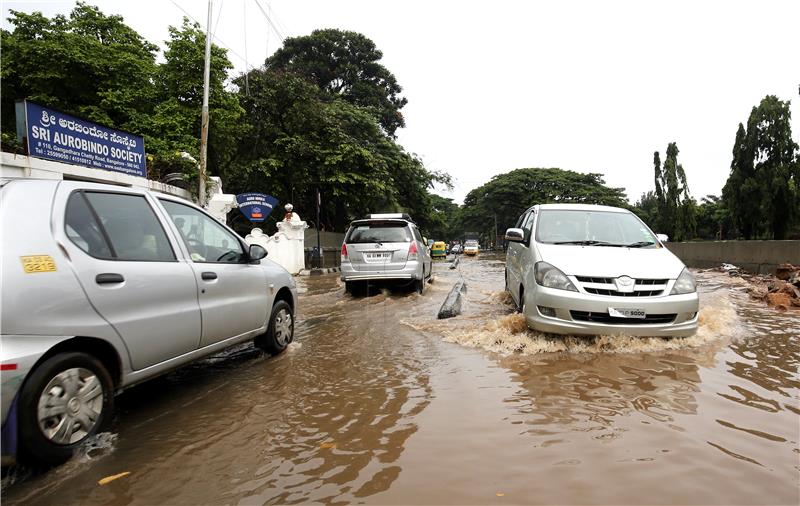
(378, 402)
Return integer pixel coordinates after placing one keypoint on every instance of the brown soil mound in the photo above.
(781, 291)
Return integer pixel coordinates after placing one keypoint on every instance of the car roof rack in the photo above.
(389, 216)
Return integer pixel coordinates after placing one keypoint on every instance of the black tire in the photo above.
(521, 304)
(279, 334)
(37, 448)
(349, 287)
(419, 285)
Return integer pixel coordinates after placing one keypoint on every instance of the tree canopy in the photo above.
(96, 67)
(345, 65)
(300, 141)
(763, 189)
(321, 115)
(675, 216)
(507, 195)
(88, 64)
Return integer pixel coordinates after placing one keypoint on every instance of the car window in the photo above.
(205, 238)
(417, 235)
(131, 226)
(378, 232)
(564, 226)
(527, 227)
(82, 228)
(520, 220)
(116, 226)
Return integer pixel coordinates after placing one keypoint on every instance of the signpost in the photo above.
(53, 135)
(256, 206)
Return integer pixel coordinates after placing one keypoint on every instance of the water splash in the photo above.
(97, 446)
(509, 334)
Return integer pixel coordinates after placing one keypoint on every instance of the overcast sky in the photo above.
(493, 86)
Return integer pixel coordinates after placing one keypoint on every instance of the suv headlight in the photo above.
(684, 284)
(550, 277)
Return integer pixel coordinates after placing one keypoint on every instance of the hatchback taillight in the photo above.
(413, 253)
(344, 252)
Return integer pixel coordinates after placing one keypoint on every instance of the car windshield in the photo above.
(593, 228)
(378, 232)
(471, 243)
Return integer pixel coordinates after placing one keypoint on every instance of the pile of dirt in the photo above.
(781, 291)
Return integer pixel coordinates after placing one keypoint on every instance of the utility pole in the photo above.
(204, 116)
(319, 248)
(495, 231)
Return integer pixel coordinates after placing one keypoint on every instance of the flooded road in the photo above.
(379, 402)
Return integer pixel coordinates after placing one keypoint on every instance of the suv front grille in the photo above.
(588, 316)
(606, 286)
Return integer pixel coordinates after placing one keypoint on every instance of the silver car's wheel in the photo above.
(283, 327)
(70, 406)
(280, 331)
(65, 400)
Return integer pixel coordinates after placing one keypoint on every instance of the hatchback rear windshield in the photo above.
(378, 232)
(593, 228)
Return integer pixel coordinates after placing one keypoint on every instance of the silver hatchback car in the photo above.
(106, 286)
(385, 247)
(586, 269)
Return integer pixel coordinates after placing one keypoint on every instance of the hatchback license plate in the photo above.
(627, 312)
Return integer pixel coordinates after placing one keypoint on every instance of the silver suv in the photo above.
(385, 247)
(106, 286)
(586, 269)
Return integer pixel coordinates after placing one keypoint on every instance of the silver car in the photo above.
(385, 247)
(585, 269)
(106, 286)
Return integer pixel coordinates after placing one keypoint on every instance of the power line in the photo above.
(219, 16)
(277, 19)
(269, 20)
(221, 43)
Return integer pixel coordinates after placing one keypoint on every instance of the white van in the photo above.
(597, 270)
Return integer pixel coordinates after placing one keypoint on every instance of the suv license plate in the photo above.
(627, 313)
(376, 256)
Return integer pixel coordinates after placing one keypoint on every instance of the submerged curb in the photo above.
(454, 263)
(452, 304)
(318, 272)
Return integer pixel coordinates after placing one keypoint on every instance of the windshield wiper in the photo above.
(639, 244)
(589, 243)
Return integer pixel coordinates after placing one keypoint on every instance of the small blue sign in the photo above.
(256, 206)
(54, 135)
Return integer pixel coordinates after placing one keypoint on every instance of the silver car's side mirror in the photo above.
(662, 237)
(256, 252)
(515, 235)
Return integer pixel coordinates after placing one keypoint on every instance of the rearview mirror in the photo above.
(515, 235)
(256, 252)
(663, 237)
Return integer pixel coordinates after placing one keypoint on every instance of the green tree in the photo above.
(300, 140)
(741, 189)
(676, 209)
(762, 190)
(89, 65)
(95, 67)
(646, 208)
(507, 195)
(174, 125)
(345, 65)
(442, 221)
(713, 218)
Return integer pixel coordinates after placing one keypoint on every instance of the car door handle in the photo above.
(208, 276)
(109, 278)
